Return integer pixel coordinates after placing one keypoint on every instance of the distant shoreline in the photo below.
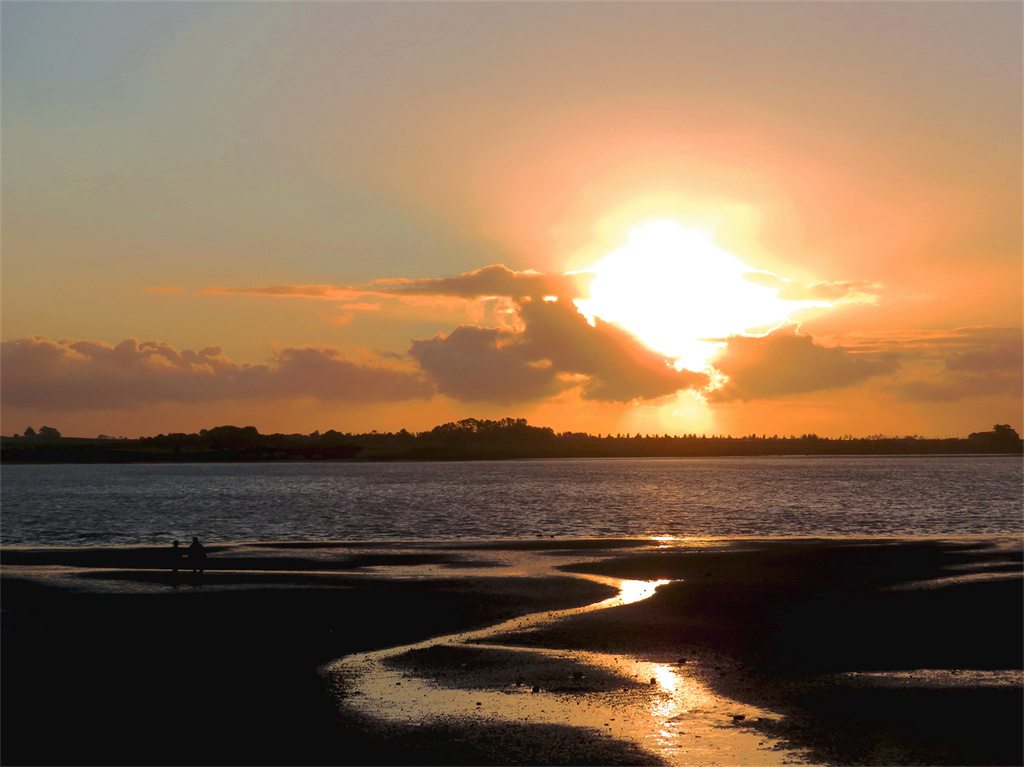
(473, 439)
(37, 457)
(79, 454)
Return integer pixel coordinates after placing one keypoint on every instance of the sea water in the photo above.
(73, 504)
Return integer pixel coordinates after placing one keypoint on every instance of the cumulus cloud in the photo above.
(555, 349)
(476, 364)
(785, 361)
(495, 281)
(82, 375)
(619, 366)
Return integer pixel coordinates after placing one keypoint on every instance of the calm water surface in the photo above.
(841, 496)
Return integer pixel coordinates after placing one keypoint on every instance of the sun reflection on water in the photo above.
(662, 706)
(636, 591)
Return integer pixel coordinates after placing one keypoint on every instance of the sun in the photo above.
(681, 294)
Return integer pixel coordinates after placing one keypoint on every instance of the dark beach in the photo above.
(107, 658)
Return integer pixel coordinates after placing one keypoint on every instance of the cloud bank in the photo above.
(83, 375)
(552, 349)
(495, 281)
(972, 362)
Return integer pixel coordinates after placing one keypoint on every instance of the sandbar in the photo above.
(869, 651)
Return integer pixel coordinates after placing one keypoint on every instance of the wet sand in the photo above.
(870, 652)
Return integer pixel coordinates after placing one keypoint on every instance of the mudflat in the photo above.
(870, 651)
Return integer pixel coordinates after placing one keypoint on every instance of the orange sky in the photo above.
(362, 216)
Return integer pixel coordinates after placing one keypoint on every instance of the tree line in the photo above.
(473, 438)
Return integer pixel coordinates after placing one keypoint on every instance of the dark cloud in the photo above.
(83, 375)
(475, 364)
(496, 281)
(557, 349)
(785, 362)
(951, 388)
(990, 350)
(972, 362)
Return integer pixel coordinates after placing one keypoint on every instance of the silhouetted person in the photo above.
(197, 556)
(176, 555)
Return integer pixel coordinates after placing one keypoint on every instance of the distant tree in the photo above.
(48, 432)
(1004, 433)
(30, 432)
(331, 437)
(1002, 436)
(230, 437)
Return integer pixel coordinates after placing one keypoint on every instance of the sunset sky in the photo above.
(710, 217)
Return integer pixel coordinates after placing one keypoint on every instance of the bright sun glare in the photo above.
(677, 291)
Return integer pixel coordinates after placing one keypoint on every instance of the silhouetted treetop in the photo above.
(231, 437)
(1002, 435)
(507, 428)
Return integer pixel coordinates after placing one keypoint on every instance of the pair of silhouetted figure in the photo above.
(196, 556)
